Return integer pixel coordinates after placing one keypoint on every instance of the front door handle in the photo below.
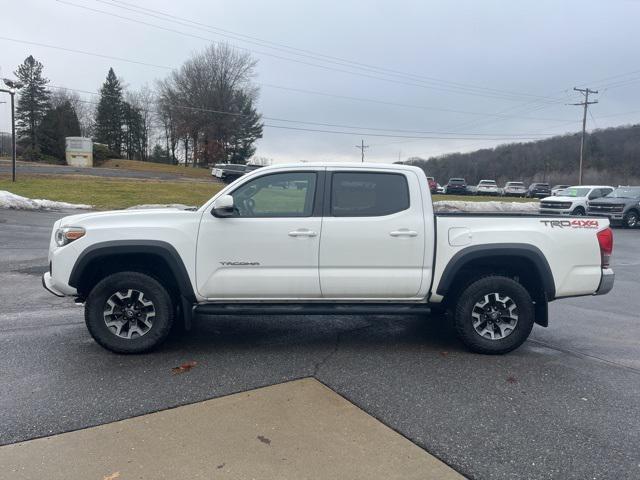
(403, 232)
(303, 232)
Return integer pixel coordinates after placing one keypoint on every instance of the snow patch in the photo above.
(11, 200)
(490, 206)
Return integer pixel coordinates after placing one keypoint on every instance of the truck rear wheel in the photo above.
(129, 312)
(494, 315)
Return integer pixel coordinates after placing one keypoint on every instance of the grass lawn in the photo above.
(481, 198)
(109, 193)
(113, 193)
(157, 167)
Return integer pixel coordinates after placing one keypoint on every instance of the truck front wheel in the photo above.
(494, 315)
(129, 312)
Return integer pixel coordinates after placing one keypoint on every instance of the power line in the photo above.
(458, 90)
(282, 87)
(298, 51)
(336, 125)
(340, 132)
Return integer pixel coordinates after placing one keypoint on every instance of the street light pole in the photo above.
(13, 138)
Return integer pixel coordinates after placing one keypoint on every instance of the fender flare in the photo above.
(162, 249)
(514, 250)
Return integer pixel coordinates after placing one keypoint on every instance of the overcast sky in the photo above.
(477, 71)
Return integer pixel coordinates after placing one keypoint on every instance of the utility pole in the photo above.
(2, 139)
(586, 103)
(13, 87)
(362, 148)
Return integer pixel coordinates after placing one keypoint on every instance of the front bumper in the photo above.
(606, 281)
(554, 211)
(615, 219)
(48, 285)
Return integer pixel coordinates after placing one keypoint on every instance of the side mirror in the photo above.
(223, 206)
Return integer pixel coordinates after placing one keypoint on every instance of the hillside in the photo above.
(612, 156)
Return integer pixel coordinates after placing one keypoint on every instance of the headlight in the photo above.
(68, 234)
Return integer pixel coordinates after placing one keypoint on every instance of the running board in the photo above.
(311, 309)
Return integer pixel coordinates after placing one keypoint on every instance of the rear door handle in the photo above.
(303, 232)
(403, 232)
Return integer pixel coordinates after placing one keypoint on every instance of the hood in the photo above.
(615, 201)
(559, 198)
(122, 215)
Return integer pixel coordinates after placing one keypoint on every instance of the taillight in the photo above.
(605, 240)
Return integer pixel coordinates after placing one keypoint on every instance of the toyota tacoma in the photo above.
(324, 239)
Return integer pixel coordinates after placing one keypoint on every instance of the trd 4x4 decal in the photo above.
(570, 223)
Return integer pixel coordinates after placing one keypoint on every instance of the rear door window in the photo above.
(368, 194)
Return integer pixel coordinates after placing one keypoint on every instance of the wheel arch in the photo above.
(526, 262)
(150, 256)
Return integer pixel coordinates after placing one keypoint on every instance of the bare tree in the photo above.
(84, 108)
(143, 100)
(210, 99)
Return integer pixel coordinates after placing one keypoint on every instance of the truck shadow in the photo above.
(316, 331)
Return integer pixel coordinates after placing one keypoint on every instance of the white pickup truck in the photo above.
(322, 239)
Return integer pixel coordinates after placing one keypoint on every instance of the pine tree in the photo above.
(133, 136)
(110, 114)
(246, 130)
(33, 101)
(58, 123)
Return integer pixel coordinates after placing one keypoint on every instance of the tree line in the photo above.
(612, 157)
(200, 114)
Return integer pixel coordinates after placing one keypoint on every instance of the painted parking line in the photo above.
(294, 430)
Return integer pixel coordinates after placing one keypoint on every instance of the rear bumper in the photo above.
(606, 281)
(48, 285)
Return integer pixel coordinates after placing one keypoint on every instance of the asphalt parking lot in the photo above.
(565, 405)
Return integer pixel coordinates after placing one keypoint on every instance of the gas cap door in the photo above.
(459, 236)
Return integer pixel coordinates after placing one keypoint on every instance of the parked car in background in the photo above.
(228, 172)
(557, 188)
(250, 168)
(433, 185)
(573, 200)
(456, 186)
(487, 187)
(514, 189)
(621, 207)
(439, 188)
(538, 190)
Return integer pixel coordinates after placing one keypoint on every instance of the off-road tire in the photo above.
(154, 292)
(475, 292)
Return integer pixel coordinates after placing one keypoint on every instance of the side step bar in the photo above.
(311, 309)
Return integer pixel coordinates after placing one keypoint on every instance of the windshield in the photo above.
(456, 180)
(489, 183)
(515, 184)
(625, 192)
(574, 192)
